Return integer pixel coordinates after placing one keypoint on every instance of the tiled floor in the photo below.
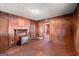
(41, 48)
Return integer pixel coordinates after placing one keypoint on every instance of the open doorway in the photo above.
(46, 31)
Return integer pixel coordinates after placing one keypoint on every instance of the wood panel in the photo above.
(76, 27)
(60, 28)
(3, 32)
(9, 22)
(17, 23)
(33, 29)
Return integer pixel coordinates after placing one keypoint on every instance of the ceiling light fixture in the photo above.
(35, 11)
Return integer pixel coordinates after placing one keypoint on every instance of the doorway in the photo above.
(46, 31)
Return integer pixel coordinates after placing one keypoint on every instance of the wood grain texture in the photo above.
(17, 23)
(3, 32)
(76, 27)
(59, 27)
(9, 22)
(61, 30)
(39, 47)
(33, 30)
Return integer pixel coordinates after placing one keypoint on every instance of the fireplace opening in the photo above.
(21, 36)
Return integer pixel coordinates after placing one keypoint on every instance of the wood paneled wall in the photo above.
(76, 27)
(33, 30)
(40, 29)
(3, 31)
(16, 22)
(60, 29)
(8, 23)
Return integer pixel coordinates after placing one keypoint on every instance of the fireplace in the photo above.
(21, 36)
